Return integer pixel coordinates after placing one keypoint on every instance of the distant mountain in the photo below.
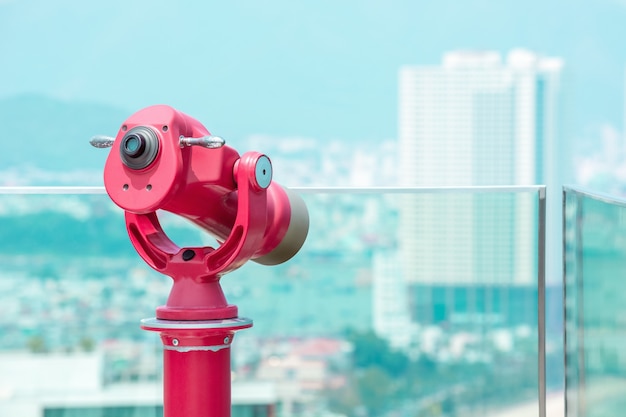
(53, 135)
(45, 141)
(76, 226)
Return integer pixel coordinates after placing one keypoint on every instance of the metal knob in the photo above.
(210, 142)
(102, 141)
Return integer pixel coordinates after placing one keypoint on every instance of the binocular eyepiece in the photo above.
(139, 147)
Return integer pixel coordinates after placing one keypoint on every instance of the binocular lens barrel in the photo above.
(139, 147)
(134, 145)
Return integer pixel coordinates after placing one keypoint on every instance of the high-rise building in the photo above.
(478, 120)
(390, 309)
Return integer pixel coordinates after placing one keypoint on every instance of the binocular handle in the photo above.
(102, 141)
(210, 141)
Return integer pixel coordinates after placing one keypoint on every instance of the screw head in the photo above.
(226, 340)
(175, 342)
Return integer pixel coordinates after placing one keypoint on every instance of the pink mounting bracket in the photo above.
(196, 293)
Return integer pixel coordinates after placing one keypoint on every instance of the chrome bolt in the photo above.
(175, 342)
(102, 141)
(226, 340)
(210, 142)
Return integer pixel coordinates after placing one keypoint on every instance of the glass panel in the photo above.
(595, 312)
(416, 304)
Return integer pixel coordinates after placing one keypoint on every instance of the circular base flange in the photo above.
(155, 324)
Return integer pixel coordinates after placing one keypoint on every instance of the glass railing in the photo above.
(595, 310)
(403, 302)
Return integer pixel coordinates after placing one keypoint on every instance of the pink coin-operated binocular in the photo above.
(162, 159)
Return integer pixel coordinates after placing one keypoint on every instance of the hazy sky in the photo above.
(324, 69)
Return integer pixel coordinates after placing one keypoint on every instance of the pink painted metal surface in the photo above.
(230, 196)
(197, 381)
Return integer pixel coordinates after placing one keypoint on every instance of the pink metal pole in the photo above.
(196, 365)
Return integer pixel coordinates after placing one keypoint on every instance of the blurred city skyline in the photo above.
(304, 74)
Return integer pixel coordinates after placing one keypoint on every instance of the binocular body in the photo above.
(151, 167)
